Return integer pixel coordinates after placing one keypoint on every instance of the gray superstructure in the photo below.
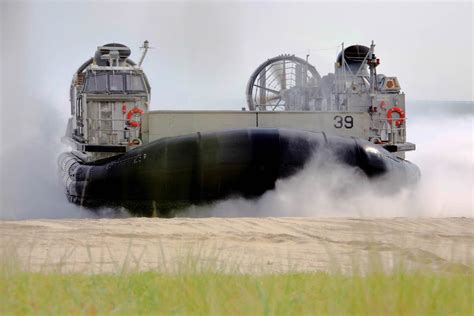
(110, 98)
(290, 83)
(108, 94)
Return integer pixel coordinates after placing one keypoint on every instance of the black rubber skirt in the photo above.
(170, 173)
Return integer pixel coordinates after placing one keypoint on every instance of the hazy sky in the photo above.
(205, 51)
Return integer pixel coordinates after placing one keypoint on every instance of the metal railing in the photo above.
(396, 135)
(122, 134)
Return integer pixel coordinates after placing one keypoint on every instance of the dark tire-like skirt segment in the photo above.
(170, 173)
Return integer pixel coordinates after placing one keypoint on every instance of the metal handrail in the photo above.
(96, 130)
(392, 129)
(90, 120)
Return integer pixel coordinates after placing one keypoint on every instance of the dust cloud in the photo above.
(443, 134)
(30, 182)
(442, 131)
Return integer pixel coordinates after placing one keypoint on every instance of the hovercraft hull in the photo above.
(173, 172)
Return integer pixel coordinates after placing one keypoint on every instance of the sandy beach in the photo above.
(240, 245)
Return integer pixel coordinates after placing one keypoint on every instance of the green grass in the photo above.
(200, 286)
(203, 293)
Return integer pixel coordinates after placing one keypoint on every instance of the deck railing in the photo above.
(396, 134)
(117, 132)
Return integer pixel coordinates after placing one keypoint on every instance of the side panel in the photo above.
(333, 123)
(177, 123)
(159, 124)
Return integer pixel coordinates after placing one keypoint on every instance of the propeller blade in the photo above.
(267, 89)
(274, 98)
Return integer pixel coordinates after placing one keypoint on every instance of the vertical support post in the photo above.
(305, 72)
(392, 132)
(85, 118)
(283, 78)
(343, 76)
(336, 83)
(404, 131)
(145, 47)
(263, 84)
(372, 68)
(344, 67)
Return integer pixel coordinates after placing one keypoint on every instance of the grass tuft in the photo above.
(215, 293)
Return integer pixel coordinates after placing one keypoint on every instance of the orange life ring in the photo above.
(130, 113)
(400, 112)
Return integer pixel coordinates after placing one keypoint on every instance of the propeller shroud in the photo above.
(284, 82)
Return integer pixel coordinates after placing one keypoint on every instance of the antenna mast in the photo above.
(145, 50)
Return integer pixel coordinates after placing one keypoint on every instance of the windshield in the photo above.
(104, 82)
(116, 82)
(97, 83)
(135, 83)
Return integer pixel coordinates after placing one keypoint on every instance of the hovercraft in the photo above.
(153, 162)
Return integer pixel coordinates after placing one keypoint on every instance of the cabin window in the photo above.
(96, 83)
(135, 83)
(116, 82)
